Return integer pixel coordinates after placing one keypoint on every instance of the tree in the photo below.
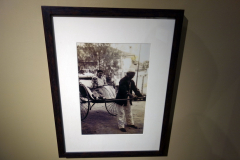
(102, 54)
(145, 65)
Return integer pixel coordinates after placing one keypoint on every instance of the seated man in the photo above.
(100, 89)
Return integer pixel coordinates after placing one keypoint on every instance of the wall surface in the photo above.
(206, 119)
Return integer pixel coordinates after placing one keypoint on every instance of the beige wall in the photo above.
(206, 120)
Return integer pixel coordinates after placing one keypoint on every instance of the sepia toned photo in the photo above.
(112, 87)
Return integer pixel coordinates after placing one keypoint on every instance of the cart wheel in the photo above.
(84, 105)
(84, 102)
(111, 108)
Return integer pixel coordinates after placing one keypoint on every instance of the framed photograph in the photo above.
(114, 75)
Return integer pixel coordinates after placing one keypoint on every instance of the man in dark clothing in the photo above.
(126, 86)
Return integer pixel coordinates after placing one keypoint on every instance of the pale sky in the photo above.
(134, 49)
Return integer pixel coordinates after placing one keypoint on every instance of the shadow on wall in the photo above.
(204, 117)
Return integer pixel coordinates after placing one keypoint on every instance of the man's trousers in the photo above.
(124, 112)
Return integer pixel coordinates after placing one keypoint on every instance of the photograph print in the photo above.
(112, 87)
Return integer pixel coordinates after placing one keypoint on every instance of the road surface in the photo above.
(99, 121)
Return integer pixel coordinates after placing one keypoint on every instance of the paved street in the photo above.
(99, 121)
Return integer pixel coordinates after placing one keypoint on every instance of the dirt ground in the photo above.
(99, 121)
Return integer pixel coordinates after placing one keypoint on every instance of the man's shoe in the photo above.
(133, 126)
(123, 129)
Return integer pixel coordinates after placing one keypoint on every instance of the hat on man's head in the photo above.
(132, 68)
(99, 71)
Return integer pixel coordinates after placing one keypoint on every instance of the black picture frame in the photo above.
(48, 12)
